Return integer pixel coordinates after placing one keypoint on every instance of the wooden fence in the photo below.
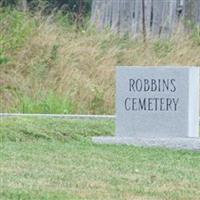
(149, 18)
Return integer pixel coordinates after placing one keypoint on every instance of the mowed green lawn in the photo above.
(55, 159)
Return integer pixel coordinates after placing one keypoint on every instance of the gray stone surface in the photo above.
(174, 143)
(157, 102)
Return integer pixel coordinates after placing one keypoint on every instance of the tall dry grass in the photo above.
(79, 65)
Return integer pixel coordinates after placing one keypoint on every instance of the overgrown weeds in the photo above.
(48, 55)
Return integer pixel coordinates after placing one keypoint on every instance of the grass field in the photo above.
(51, 159)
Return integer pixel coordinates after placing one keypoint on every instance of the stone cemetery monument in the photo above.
(157, 106)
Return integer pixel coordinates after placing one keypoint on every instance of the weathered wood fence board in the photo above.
(150, 17)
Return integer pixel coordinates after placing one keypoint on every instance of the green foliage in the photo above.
(15, 28)
(3, 59)
(62, 130)
(162, 48)
(54, 52)
(48, 5)
(97, 103)
(45, 102)
(196, 35)
(63, 20)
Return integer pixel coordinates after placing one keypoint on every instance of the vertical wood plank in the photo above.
(157, 17)
(125, 16)
(115, 19)
(198, 13)
(190, 12)
(148, 17)
(162, 17)
(137, 21)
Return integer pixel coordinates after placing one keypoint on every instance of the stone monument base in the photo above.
(173, 143)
